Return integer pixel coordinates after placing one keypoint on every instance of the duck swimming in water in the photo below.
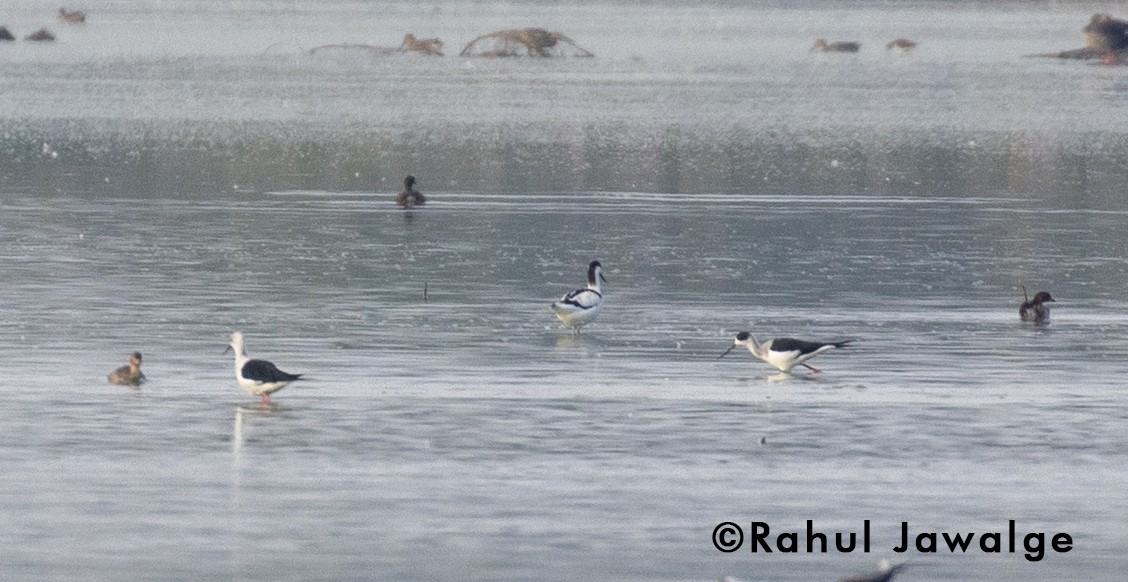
(128, 375)
(410, 196)
(1035, 311)
(1106, 35)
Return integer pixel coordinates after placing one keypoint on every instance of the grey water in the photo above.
(174, 171)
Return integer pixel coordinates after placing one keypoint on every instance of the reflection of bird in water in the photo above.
(257, 377)
(128, 375)
(784, 353)
(885, 572)
(410, 196)
(580, 307)
(902, 44)
(237, 437)
(1035, 311)
(835, 47)
(1106, 35)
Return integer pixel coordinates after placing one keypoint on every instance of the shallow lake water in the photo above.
(176, 171)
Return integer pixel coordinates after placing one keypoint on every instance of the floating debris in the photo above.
(427, 46)
(902, 44)
(383, 50)
(1086, 54)
(41, 35)
(71, 16)
(531, 42)
(885, 572)
(835, 47)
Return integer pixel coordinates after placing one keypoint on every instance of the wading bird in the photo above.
(580, 307)
(784, 353)
(257, 377)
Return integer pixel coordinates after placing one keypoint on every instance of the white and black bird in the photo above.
(257, 377)
(1036, 310)
(885, 572)
(784, 353)
(580, 307)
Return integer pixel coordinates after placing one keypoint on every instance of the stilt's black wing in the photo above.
(264, 371)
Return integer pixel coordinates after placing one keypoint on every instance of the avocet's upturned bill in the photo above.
(784, 353)
(580, 307)
(257, 377)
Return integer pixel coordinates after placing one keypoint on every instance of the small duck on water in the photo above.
(1035, 311)
(128, 375)
(410, 196)
(1108, 36)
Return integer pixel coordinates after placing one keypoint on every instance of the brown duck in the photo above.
(1106, 35)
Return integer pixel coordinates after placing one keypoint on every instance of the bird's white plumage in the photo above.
(257, 377)
(784, 353)
(581, 306)
(784, 360)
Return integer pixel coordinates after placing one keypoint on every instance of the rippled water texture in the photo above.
(173, 171)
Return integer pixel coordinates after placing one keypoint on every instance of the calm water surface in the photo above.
(161, 191)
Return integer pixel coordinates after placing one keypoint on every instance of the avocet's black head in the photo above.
(1043, 297)
(595, 270)
(408, 182)
(743, 336)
